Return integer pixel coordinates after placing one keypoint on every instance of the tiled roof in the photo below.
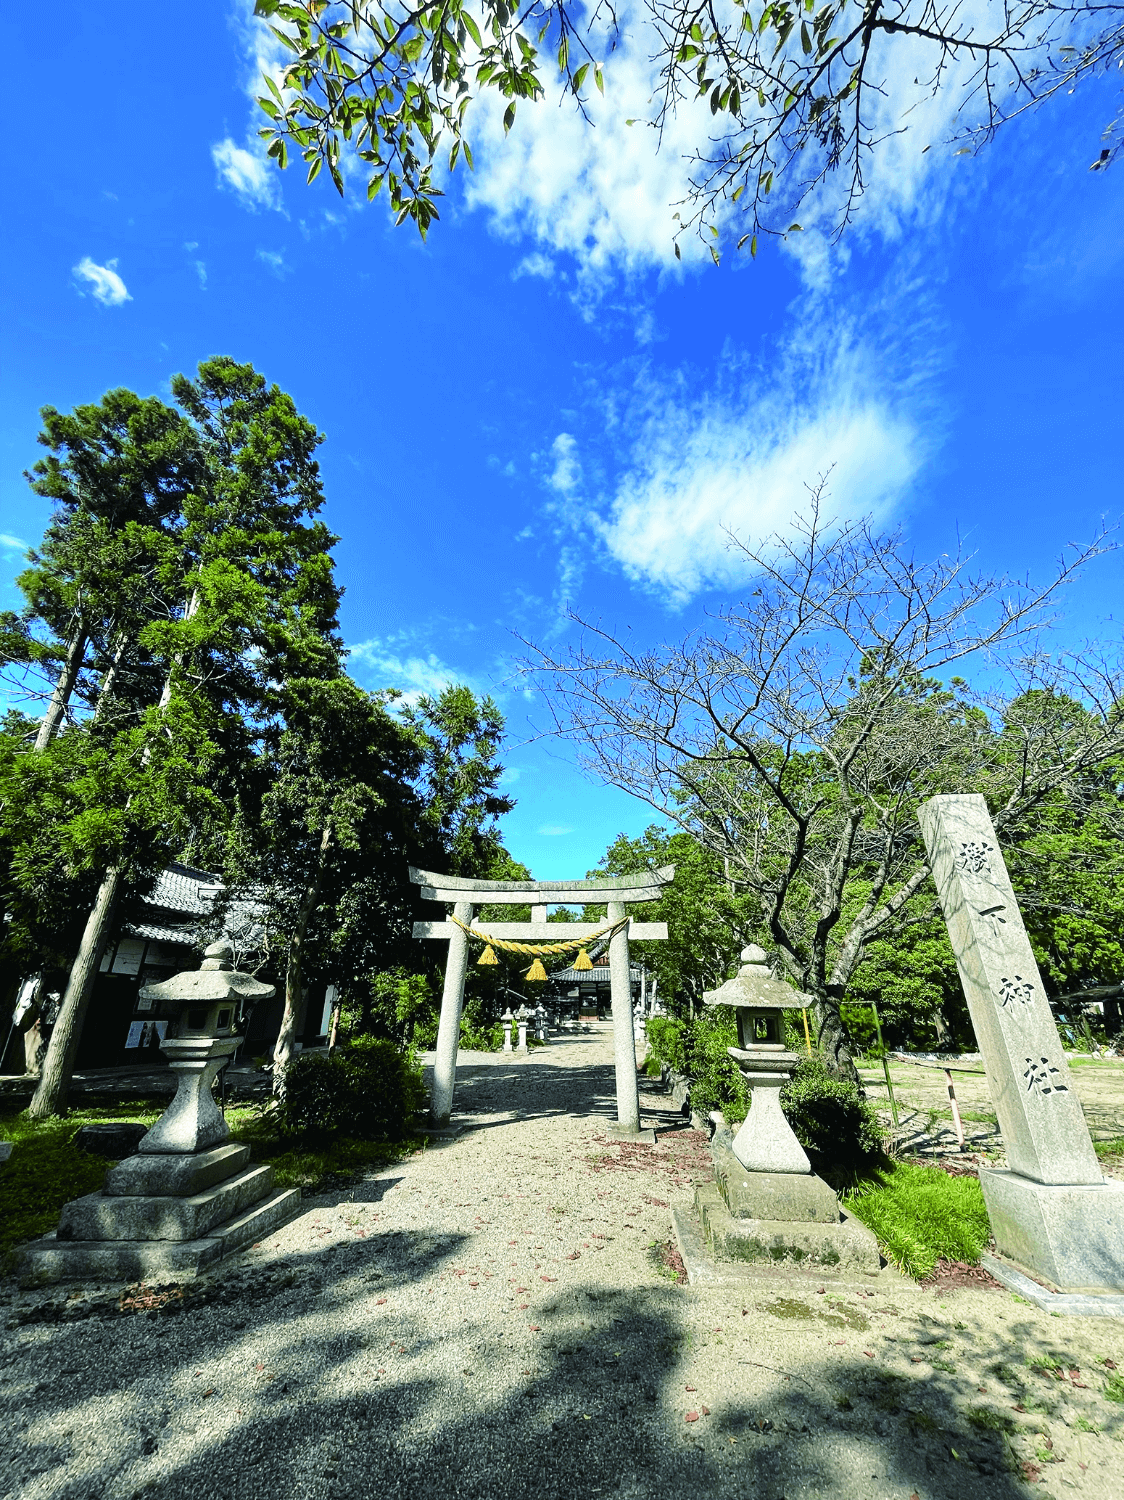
(599, 974)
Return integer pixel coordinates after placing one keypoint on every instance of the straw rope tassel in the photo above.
(583, 961)
(536, 971)
(488, 956)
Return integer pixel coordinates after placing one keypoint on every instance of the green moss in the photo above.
(921, 1215)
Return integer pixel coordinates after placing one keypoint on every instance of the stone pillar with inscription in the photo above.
(1052, 1212)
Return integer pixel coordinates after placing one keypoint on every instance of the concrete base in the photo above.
(1072, 1238)
(100, 1216)
(1075, 1304)
(51, 1260)
(623, 1133)
(790, 1197)
(843, 1248)
(179, 1176)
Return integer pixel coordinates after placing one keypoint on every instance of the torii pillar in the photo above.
(465, 896)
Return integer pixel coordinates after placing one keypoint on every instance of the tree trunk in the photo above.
(64, 686)
(54, 1083)
(283, 1051)
(831, 1039)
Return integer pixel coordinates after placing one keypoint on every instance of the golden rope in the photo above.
(535, 949)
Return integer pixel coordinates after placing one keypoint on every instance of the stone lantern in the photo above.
(507, 1019)
(765, 1143)
(207, 1000)
(190, 1195)
(766, 1205)
(522, 1016)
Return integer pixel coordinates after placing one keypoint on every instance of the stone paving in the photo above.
(497, 1317)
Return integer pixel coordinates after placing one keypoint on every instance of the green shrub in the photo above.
(921, 1215)
(837, 1127)
(666, 1039)
(716, 1080)
(368, 1090)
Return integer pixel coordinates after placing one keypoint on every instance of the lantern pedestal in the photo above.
(190, 1195)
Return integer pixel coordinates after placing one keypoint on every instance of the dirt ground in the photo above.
(501, 1316)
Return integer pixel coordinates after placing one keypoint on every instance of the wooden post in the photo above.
(885, 1066)
(956, 1120)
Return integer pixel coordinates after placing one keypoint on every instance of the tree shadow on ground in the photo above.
(314, 1389)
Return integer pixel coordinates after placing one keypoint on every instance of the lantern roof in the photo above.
(215, 979)
(754, 988)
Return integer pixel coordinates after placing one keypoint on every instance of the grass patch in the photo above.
(920, 1215)
(46, 1169)
(1111, 1149)
(1114, 1388)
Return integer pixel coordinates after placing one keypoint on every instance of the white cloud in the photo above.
(250, 174)
(275, 260)
(554, 830)
(201, 272)
(736, 450)
(534, 265)
(106, 286)
(7, 540)
(389, 663)
(567, 473)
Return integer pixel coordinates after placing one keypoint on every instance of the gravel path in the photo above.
(495, 1317)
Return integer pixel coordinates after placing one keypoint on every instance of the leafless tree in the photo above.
(797, 736)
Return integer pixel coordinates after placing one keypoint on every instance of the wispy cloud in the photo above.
(249, 174)
(389, 663)
(554, 830)
(7, 540)
(735, 448)
(105, 284)
(537, 264)
(275, 260)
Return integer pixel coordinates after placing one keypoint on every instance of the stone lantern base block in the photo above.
(790, 1197)
(179, 1176)
(101, 1216)
(52, 1260)
(845, 1248)
(1072, 1238)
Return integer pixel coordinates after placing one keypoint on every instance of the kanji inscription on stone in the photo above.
(1039, 1114)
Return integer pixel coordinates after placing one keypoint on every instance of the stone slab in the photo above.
(1071, 1237)
(1044, 1130)
(51, 1260)
(179, 1176)
(5, 1150)
(844, 1248)
(705, 1269)
(1076, 1304)
(99, 1216)
(797, 1198)
(112, 1139)
(453, 888)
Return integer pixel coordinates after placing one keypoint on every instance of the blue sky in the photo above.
(540, 406)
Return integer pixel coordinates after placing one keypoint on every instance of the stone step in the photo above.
(100, 1216)
(51, 1260)
(181, 1175)
(843, 1248)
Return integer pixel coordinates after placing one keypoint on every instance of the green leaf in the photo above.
(793, 227)
(805, 39)
(509, 117)
(599, 80)
(314, 169)
(678, 252)
(753, 247)
(579, 77)
(471, 27)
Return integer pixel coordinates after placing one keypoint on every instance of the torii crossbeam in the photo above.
(466, 896)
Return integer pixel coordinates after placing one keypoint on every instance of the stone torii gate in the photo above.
(466, 896)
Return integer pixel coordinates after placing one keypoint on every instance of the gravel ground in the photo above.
(499, 1317)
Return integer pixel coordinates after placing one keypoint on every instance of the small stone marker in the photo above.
(1053, 1212)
